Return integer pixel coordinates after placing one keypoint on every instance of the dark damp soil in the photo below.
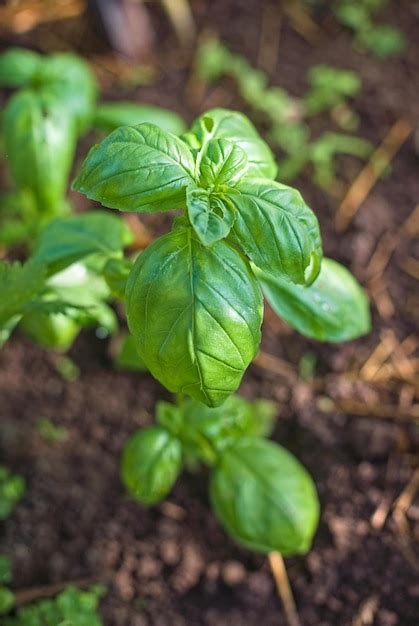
(172, 565)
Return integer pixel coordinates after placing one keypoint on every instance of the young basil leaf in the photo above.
(55, 331)
(111, 115)
(18, 66)
(69, 239)
(127, 357)
(116, 272)
(211, 219)
(40, 141)
(151, 462)
(206, 430)
(221, 163)
(333, 308)
(236, 128)
(19, 284)
(69, 80)
(264, 497)
(276, 229)
(139, 168)
(196, 313)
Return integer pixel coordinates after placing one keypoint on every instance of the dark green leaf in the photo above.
(5, 569)
(196, 314)
(236, 128)
(150, 464)
(264, 498)
(139, 168)
(210, 217)
(127, 357)
(7, 600)
(18, 66)
(333, 308)
(40, 142)
(276, 229)
(111, 115)
(221, 163)
(70, 239)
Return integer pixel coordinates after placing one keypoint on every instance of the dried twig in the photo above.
(269, 38)
(275, 365)
(283, 586)
(367, 178)
(367, 612)
(26, 596)
(363, 409)
(21, 17)
(180, 14)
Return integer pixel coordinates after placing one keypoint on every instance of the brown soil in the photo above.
(172, 565)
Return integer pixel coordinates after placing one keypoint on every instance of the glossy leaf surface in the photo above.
(333, 308)
(210, 217)
(236, 128)
(196, 313)
(139, 168)
(221, 163)
(276, 229)
(151, 462)
(264, 497)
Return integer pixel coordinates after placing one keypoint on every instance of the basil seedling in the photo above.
(194, 297)
(260, 493)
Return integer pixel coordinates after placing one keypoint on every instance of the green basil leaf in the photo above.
(264, 497)
(236, 128)
(116, 272)
(210, 217)
(127, 357)
(139, 168)
(54, 331)
(276, 229)
(221, 163)
(333, 308)
(18, 66)
(151, 462)
(69, 80)
(206, 430)
(196, 313)
(40, 141)
(69, 239)
(111, 115)
(19, 285)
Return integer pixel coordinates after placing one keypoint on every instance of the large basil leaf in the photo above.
(264, 497)
(18, 66)
(150, 464)
(196, 313)
(236, 128)
(69, 79)
(333, 308)
(40, 141)
(221, 163)
(276, 229)
(69, 239)
(111, 115)
(210, 217)
(139, 168)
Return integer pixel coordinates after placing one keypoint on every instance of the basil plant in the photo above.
(259, 492)
(194, 298)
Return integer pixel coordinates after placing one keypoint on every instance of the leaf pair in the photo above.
(260, 493)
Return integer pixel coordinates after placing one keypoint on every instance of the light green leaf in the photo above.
(333, 308)
(18, 66)
(69, 80)
(150, 464)
(236, 128)
(19, 284)
(127, 357)
(210, 217)
(264, 497)
(196, 314)
(221, 163)
(40, 141)
(139, 168)
(69, 239)
(111, 115)
(276, 229)
(54, 331)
